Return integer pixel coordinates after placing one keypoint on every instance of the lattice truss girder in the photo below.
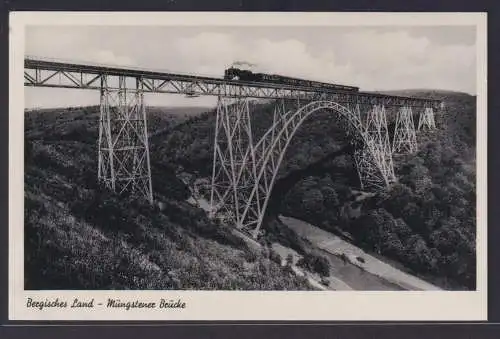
(244, 172)
(405, 138)
(123, 161)
(60, 74)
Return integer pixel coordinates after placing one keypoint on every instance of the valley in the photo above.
(420, 235)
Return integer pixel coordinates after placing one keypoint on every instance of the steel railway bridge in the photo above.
(244, 169)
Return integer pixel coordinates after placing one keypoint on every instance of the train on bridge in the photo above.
(233, 73)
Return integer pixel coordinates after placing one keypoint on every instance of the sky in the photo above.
(372, 58)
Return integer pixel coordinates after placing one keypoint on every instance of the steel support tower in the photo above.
(123, 162)
(234, 160)
(374, 159)
(426, 120)
(405, 138)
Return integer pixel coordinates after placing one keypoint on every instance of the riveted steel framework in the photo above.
(234, 158)
(43, 73)
(244, 172)
(426, 120)
(123, 162)
(374, 159)
(405, 138)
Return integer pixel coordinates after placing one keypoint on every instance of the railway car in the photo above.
(233, 73)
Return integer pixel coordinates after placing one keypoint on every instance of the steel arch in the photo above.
(267, 155)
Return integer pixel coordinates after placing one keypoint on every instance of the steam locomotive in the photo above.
(233, 73)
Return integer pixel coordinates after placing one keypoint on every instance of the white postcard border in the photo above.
(244, 305)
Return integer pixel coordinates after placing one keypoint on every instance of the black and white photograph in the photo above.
(266, 157)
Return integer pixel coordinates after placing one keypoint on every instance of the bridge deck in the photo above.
(42, 73)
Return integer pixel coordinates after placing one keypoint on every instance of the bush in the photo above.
(316, 263)
(250, 255)
(274, 256)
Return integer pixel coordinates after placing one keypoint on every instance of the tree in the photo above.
(400, 196)
(331, 199)
(315, 263)
(373, 229)
(313, 201)
(418, 254)
(416, 175)
(392, 246)
(402, 229)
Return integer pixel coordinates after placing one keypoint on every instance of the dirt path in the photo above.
(354, 276)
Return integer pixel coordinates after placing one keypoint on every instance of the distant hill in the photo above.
(180, 114)
(425, 93)
(161, 119)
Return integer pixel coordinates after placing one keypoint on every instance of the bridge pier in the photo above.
(405, 138)
(123, 159)
(234, 164)
(426, 119)
(374, 160)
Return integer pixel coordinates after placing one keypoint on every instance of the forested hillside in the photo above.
(78, 235)
(426, 221)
